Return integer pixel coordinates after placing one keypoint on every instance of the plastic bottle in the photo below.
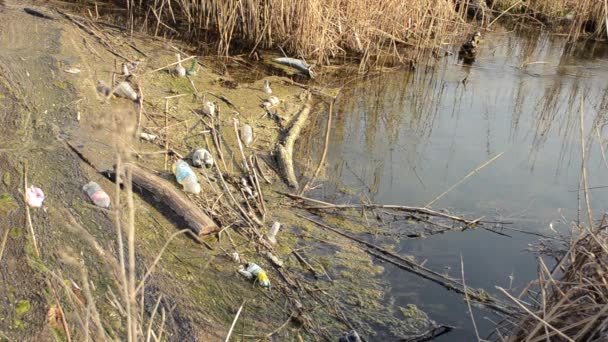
(266, 87)
(247, 135)
(34, 197)
(97, 195)
(186, 177)
(271, 236)
(124, 89)
(274, 100)
(180, 71)
(202, 157)
(259, 274)
(209, 108)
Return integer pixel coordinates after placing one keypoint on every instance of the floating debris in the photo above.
(468, 50)
(97, 195)
(272, 234)
(124, 89)
(202, 157)
(148, 137)
(252, 270)
(180, 71)
(186, 177)
(209, 108)
(74, 71)
(247, 135)
(266, 88)
(34, 197)
(298, 64)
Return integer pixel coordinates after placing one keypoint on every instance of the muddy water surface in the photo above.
(406, 137)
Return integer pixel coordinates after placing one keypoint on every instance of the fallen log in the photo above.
(167, 193)
(284, 149)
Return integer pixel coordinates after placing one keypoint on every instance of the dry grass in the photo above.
(572, 298)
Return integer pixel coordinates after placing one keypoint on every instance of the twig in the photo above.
(169, 65)
(516, 301)
(236, 317)
(583, 166)
(503, 13)
(27, 212)
(466, 297)
(465, 178)
(305, 263)
(6, 231)
(325, 148)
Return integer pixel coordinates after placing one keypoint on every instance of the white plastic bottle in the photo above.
(186, 177)
(247, 135)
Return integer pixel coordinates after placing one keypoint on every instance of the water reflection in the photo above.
(405, 137)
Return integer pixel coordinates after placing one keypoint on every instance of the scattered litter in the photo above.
(72, 70)
(34, 197)
(78, 116)
(266, 105)
(124, 89)
(351, 336)
(103, 88)
(236, 257)
(252, 270)
(186, 177)
(273, 100)
(266, 87)
(275, 259)
(209, 108)
(97, 195)
(148, 137)
(247, 135)
(271, 236)
(247, 189)
(180, 71)
(125, 70)
(192, 70)
(296, 63)
(202, 157)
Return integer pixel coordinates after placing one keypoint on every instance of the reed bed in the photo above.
(572, 298)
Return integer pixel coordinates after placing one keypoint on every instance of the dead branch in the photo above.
(284, 149)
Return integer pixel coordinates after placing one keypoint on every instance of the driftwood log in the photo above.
(167, 193)
(284, 149)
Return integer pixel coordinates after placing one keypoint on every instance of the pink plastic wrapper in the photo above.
(34, 197)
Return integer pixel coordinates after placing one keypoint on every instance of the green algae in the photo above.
(22, 307)
(7, 204)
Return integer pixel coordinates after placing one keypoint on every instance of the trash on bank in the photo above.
(252, 270)
(180, 71)
(273, 100)
(124, 89)
(275, 259)
(209, 108)
(74, 71)
(247, 135)
(296, 63)
(271, 236)
(97, 195)
(34, 197)
(351, 336)
(266, 88)
(186, 177)
(148, 137)
(202, 157)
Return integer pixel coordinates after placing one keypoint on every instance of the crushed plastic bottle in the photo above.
(209, 108)
(97, 195)
(247, 135)
(125, 70)
(351, 336)
(186, 177)
(271, 236)
(148, 137)
(34, 197)
(202, 157)
(274, 100)
(192, 70)
(266, 88)
(124, 89)
(180, 71)
(256, 272)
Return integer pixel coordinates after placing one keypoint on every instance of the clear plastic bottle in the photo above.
(202, 157)
(247, 135)
(186, 177)
(97, 195)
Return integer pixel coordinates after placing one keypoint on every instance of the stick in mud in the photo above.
(284, 150)
(199, 222)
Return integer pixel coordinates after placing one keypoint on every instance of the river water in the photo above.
(406, 137)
